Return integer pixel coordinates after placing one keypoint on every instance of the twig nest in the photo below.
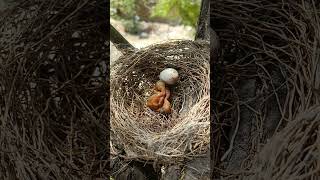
(169, 76)
(163, 138)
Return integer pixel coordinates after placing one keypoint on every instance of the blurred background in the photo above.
(145, 22)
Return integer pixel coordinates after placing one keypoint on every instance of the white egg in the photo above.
(169, 76)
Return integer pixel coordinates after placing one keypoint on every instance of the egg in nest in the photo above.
(169, 76)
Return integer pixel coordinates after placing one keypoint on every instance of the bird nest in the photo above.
(154, 136)
(292, 153)
(266, 76)
(53, 90)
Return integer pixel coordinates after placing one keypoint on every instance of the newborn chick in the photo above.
(156, 101)
(166, 107)
(159, 102)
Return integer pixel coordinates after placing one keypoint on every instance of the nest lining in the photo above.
(149, 135)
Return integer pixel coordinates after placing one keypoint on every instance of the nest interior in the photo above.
(149, 135)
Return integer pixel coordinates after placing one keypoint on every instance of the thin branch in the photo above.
(225, 155)
(118, 40)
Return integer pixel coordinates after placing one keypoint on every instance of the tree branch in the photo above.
(118, 40)
(203, 21)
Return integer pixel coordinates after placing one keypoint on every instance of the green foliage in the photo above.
(127, 10)
(187, 10)
(126, 6)
(132, 26)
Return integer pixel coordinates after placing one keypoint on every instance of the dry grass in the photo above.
(293, 153)
(149, 136)
(275, 44)
(52, 90)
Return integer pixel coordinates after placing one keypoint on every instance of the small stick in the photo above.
(233, 137)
